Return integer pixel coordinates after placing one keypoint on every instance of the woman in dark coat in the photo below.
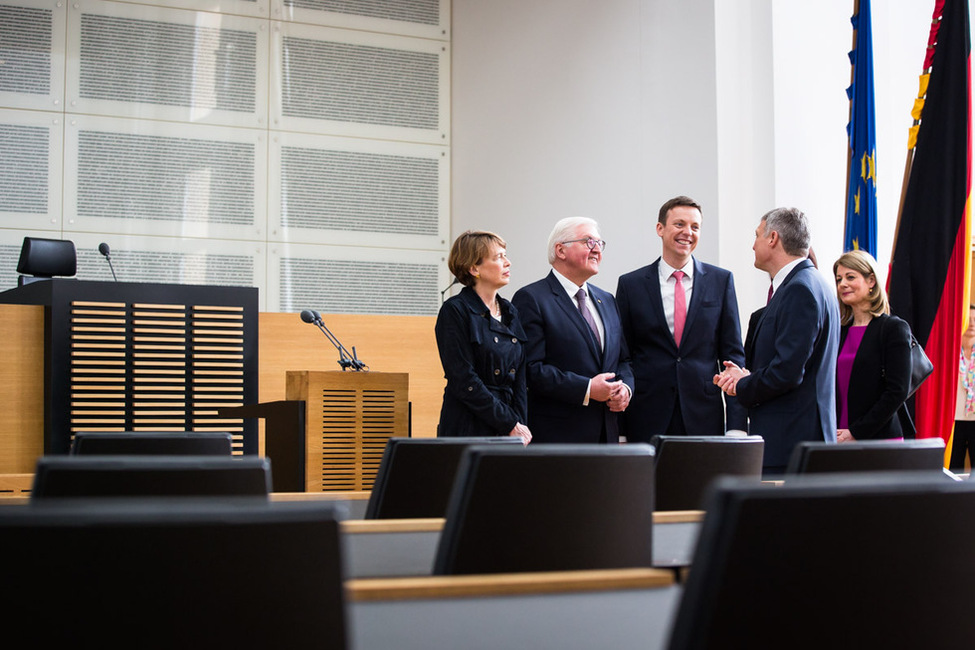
(482, 345)
(873, 369)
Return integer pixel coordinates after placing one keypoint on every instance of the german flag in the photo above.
(930, 265)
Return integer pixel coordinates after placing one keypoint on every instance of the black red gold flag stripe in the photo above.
(930, 265)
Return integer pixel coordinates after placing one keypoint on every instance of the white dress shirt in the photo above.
(668, 285)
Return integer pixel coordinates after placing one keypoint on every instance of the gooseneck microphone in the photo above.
(447, 288)
(346, 360)
(106, 251)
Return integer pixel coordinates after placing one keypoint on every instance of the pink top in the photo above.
(844, 366)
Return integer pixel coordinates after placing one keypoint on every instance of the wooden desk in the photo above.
(619, 609)
(407, 547)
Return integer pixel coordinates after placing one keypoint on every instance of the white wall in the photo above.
(609, 108)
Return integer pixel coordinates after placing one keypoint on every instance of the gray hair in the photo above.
(565, 230)
(793, 229)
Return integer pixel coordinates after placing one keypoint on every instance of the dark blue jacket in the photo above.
(563, 357)
(712, 334)
(791, 391)
(484, 363)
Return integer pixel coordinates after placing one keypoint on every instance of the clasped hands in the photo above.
(616, 394)
(727, 379)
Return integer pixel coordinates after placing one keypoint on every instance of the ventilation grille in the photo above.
(190, 65)
(9, 256)
(426, 12)
(155, 367)
(359, 287)
(361, 192)
(167, 267)
(25, 48)
(24, 175)
(157, 178)
(353, 439)
(359, 83)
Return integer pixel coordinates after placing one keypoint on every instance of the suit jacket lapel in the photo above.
(656, 300)
(697, 296)
(571, 309)
(801, 265)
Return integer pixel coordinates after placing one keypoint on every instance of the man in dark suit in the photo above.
(579, 375)
(678, 335)
(790, 390)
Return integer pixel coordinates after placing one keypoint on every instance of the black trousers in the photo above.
(962, 443)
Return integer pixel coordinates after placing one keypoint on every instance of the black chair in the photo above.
(416, 475)
(163, 573)
(154, 443)
(549, 508)
(145, 476)
(686, 465)
(867, 456)
(42, 259)
(878, 560)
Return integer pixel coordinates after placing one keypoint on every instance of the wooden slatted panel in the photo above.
(349, 418)
(218, 369)
(99, 385)
(159, 357)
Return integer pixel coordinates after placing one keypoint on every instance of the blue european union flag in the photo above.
(861, 186)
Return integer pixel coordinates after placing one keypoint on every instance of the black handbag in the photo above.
(921, 366)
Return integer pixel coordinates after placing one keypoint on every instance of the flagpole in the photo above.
(849, 149)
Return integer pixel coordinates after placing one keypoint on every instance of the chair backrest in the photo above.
(416, 475)
(549, 508)
(159, 443)
(879, 560)
(867, 456)
(171, 573)
(686, 465)
(142, 476)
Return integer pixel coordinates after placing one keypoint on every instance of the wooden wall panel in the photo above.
(385, 343)
(21, 387)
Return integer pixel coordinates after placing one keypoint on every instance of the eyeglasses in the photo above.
(590, 242)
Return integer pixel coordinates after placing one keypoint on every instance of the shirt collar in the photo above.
(666, 270)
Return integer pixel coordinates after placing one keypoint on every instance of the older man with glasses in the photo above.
(579, 376)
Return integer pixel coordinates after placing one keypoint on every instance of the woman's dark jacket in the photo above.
(879, 381)
(484, 363)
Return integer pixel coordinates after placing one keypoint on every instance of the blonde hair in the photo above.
(864, 264)
(470, 249)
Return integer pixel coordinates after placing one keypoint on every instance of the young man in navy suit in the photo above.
(678, 335)
(790, 389)
(579, 376)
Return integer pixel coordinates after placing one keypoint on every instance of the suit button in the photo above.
(470, 388)
(495, 339)
(514, 340)
(511, 372)
(497, 372)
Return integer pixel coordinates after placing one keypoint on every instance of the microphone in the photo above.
(345, 359)
(104, 250)
(456, 281)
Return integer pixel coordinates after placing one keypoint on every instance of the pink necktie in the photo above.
(680, 306)
(581, 298)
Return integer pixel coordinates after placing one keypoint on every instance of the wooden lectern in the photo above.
(349, 416)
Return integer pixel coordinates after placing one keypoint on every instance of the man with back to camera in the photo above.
(579, 375)
(790, 390)
(678, 332)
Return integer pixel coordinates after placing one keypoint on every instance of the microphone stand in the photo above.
(345, 359)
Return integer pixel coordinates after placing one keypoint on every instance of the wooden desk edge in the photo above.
(366, 526)
(505, 584)
(353, 495)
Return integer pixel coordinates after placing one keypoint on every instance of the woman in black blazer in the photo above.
(482, 345)
(873, 369)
